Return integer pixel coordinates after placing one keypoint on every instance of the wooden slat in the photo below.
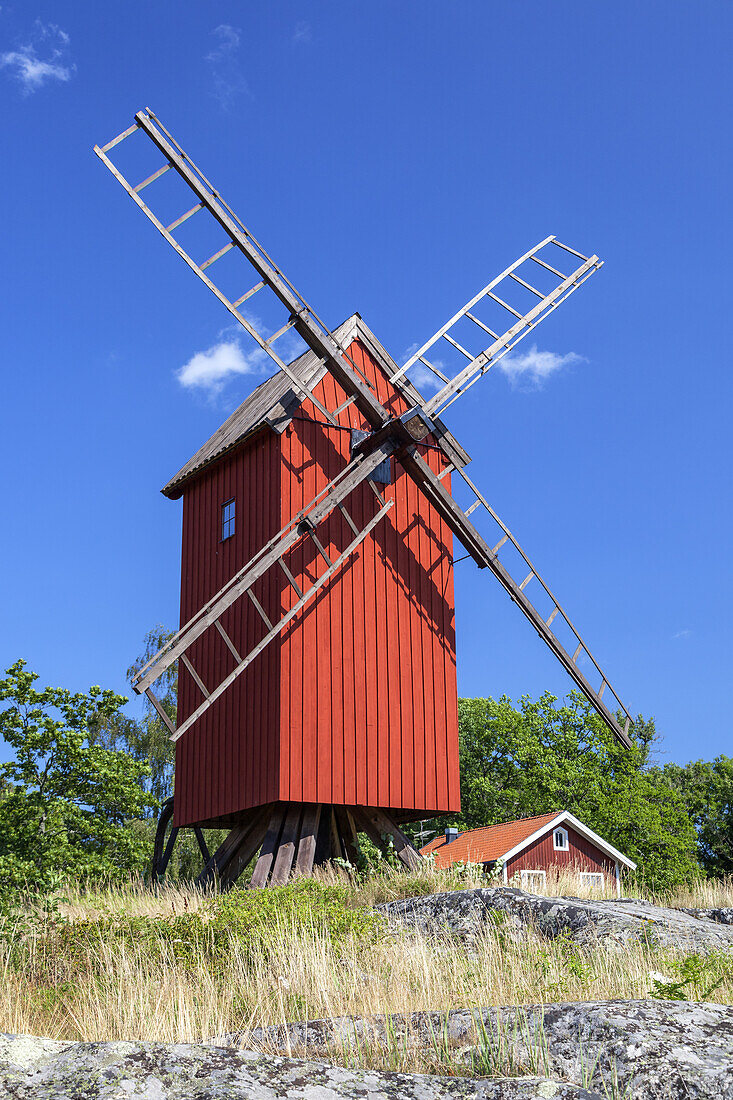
(269, 845)
(307, 841)
(228, 641)
(286, 846)
(248, 848)
(195, 676)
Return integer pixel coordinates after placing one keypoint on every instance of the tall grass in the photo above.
(175, 965)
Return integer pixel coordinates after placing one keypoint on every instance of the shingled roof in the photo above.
(273, 403)
(496, 842)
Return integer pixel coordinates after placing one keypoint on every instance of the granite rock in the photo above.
(39, 1069)
(465, 913)
(640, 1050)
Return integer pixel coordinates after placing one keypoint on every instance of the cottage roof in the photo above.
(273, 403)
(502, 842)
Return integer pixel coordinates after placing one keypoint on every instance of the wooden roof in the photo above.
(273, 403)
(500, 841)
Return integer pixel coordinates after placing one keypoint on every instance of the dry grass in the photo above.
(92, 987)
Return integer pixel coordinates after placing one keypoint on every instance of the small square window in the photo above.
(560, 840)
(227, 519)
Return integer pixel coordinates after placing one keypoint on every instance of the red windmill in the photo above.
(317, 679)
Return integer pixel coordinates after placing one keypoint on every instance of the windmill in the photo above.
(316, 655)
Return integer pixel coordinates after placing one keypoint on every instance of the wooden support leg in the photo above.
(347, 832)
(249, 846)
(376, 823)
(203, 847)
(286, 848)
(269, 846)
(162, 855)
(308, 836)
(323, 838)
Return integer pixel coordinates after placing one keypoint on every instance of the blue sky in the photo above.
(393, 158)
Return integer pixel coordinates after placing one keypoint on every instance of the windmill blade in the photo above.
(546, 625)
(515, 285)
(301, 318)
(302, 526)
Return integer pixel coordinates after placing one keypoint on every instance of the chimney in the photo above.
(451, 834)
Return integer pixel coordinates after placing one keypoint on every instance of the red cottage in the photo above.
(527, 848)
(355, 703)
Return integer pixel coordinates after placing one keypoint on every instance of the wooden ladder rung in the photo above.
(151, 179)
(184, 217)
(259, 609)
(195, 676)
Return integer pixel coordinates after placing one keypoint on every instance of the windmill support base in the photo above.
(291, 838)
(163, 850)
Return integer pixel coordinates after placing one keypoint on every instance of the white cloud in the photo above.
(419, 374)
(681, 634)
(302, 32)
(210, 370)
(534, 367)
(228, 78)
(44, 57)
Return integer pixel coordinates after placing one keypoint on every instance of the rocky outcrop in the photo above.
(465, 913)
(636, 1050)
(722, 916)
(38, 1069)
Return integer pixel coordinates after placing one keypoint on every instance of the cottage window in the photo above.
(227, 519)
(533, 879)
(560, 840)
(595, 879)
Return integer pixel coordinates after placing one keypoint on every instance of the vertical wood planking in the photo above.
(356, 703)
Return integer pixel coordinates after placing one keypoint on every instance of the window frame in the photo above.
(228, 523)
(525, 872)
(595, 875)
(564, 834)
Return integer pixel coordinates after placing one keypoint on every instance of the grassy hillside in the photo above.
(174, 965)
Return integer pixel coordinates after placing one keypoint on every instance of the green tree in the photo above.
(543, 756)
(147, 739)
(706, 788)
(66, 801)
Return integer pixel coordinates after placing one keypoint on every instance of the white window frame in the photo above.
(525, 880)
(565, 847)
(596, 878)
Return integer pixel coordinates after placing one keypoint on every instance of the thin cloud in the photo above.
(43, 58)
(223, 61)
(419, 374)
(532, 369)
(209, 371)
(681, 634)
(302, 32)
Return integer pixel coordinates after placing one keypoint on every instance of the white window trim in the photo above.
(564, 833)
(524, 876)
(594, 875)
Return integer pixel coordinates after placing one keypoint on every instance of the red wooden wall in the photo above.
(368, 680)
(356, 703)
(580, 855)
(228, 760)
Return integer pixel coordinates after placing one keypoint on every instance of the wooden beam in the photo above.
(404, 848)
(308, 835)
(269, 845)
(248, 848)
(286, 846)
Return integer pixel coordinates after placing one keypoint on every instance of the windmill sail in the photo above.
(271, 556)
(520, 298)
(510, 299)
(546, 624)
(233, 234)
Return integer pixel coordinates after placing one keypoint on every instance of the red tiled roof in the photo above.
(481, 845)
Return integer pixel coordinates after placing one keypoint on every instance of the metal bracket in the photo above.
(383, 473)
